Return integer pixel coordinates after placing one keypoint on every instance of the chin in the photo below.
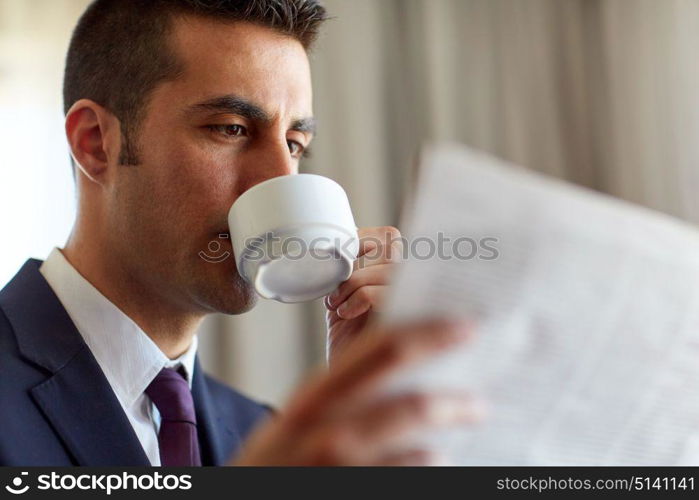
(233, 297)
(242, 303)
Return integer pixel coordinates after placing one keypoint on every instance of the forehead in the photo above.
(251, 61)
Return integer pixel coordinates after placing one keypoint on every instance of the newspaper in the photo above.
(587, 314)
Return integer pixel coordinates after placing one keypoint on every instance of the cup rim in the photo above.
(275, 180)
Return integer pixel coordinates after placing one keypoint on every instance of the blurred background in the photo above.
(604, 93)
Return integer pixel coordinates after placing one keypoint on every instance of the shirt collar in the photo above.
(128, 357)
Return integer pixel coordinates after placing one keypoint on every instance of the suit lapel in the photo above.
(217, 435)
(81, 406)
(76, 398)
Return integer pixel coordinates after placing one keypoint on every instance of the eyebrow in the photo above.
(240, 106)
(304, 125)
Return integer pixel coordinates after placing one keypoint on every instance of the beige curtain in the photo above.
(599, 92)
(603, 93)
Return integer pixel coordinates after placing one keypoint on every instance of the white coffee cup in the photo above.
(294, 237)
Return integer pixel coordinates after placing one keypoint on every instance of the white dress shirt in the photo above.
(128, 357)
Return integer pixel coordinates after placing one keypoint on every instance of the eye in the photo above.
(229, 130)
(297, 149)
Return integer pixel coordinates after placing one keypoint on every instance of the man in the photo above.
(173, 109)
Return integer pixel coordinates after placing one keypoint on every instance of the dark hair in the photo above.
(119, 53)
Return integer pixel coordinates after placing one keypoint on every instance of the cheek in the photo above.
(196, 182)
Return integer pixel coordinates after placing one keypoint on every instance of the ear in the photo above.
(94, 137)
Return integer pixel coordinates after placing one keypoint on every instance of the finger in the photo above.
(391, 349)
(340, 338)
(373, 237)
(331, 318)
(378, 256)
(370, 359)
(393, 422)
(374, 433)
(375, 275)
(379, 246)
(361, 301)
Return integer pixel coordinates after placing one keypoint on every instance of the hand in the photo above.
(349, 307)
(337, 418)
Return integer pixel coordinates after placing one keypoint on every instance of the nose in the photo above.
(266, 162)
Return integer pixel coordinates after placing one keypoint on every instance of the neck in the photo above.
(170, 327)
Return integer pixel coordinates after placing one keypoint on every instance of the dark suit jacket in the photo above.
(56, 406)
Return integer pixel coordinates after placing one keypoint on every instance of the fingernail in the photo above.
(332, 298)
(342, 309)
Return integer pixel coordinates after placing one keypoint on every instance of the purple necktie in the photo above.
(177, 439)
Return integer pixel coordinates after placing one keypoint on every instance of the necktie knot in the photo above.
(170, 393)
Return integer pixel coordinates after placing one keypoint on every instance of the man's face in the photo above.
(238, 115)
